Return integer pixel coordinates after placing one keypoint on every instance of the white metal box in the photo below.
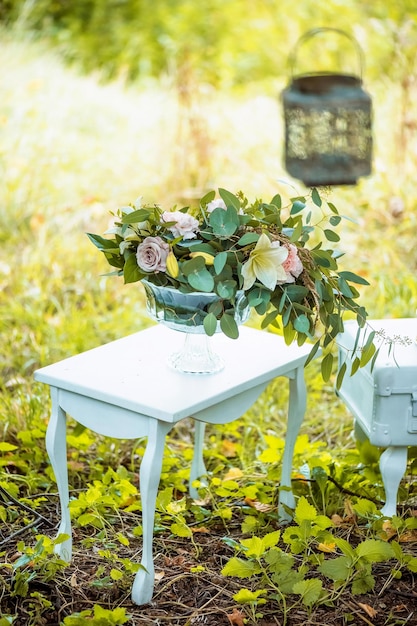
(384, 400)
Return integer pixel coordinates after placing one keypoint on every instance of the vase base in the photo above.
(196, 357)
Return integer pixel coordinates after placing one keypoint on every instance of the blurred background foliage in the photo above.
(226, 43)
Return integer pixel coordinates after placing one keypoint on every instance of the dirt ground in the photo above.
(183, 597)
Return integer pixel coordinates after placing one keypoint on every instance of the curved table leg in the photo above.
(150, 474)
(393, 463)
(296, 410)
(56, 447)
(198, 468)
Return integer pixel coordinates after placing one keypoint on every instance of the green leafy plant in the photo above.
(103, 498)
(354, 567)
(98, 616)
(309, 531)
(254, 254)
(283, 574)
(39, 562)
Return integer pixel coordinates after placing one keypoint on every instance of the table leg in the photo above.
(150, 474)
(198, 468)
(393, 463)
(56, 447)
(296, 410)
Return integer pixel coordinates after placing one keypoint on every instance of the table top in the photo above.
(133, 372)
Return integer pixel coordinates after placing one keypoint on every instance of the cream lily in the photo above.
(265, 264)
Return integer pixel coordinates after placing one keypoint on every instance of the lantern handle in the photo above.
(316, 31)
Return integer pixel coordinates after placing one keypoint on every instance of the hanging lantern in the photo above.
(328, 124)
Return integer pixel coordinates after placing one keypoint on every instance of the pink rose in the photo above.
(216, 204)
(292, 264)
(186, 226)
(152, 254)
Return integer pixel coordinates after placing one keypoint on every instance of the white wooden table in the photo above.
(125, 389)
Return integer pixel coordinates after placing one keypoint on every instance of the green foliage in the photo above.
(103, 499)
(275, 572)
(38, 563)
(98, 616)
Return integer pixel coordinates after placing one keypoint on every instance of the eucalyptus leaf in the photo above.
(315, 196)
(201, 280)
(224, 222)
(228, 326)
(229, 199)
(313, 352)
(220, 261)
(331, 235)
(141, 215)
(210, 324)
(340, 375)
(289, 332)
(131, 271)
(101, 242)
(354, 278)
(322, 258)
(297, 207)
(296, 293)
(297, 232)
(209, 197)
(327, 366)
(248, 238)
(344, 287)
(216, 308)
(302, 324)
(276, 201)
(226, 289)
(270, 319)
(333, 208)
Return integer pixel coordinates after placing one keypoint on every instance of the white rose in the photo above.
(186, 226)
(216, 204)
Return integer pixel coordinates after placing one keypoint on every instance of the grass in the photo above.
(72, 149)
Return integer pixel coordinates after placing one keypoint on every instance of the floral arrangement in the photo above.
(227, 244)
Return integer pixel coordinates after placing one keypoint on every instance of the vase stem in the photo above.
(196, 356)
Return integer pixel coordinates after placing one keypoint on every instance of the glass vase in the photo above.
(185, 312)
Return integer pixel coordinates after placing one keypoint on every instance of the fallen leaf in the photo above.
(389, 530)
(327, 547)
(229, 448)
(233, 473)
(236, 618)
(368, 609)
(300, 477)
(201, 529)
(337, 520)
(173, 561)
(409, 535)
(75, 466)
(159, 576)
(259, 506)
(349, 512)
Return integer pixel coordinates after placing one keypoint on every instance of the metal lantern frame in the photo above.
(328, 122)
